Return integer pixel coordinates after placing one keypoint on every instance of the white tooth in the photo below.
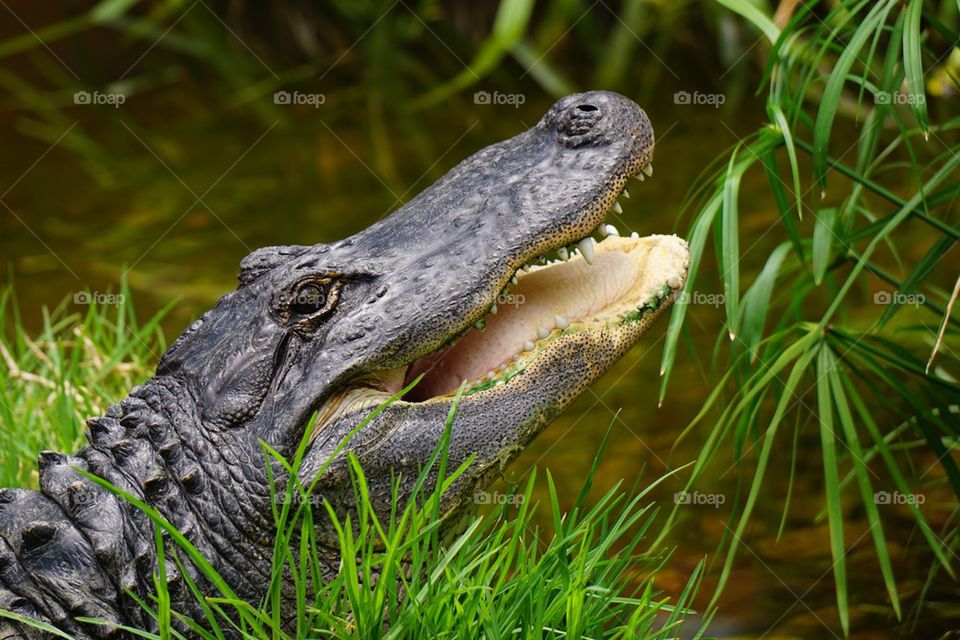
(586, 248)
(563, 253)
(673, 282)
(611, 230)
(634, 235)
(527, 345)
(542, 333)
(526, 267)
(491, 374)
(639, 177)
(493, 309)
(561, 322)
(617, 207)
(625, 193)
(648, 170)
(602, 230)
(513, 279)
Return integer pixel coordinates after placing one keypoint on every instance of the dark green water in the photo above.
(172, 194)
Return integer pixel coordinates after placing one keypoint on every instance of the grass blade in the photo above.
(756, 301)
(698, 238)
(776, 113)
(863, 481)
(823, 233)
(730, 245)
(831, 483)
(753, 15)
(913, 65)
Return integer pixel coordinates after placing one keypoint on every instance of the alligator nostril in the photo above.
(586, 107)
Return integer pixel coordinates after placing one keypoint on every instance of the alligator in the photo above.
(489, 286)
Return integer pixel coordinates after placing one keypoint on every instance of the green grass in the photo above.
(495, 574)
(873, 163)
(83, 358)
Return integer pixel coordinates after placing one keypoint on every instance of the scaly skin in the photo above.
(330, 329)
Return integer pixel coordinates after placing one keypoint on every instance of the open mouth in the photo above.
(624, 279)
(590, 286)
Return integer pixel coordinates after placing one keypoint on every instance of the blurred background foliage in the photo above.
(807, 149)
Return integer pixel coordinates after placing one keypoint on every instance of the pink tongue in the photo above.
(574, 290)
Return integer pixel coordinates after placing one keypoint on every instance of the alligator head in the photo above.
(457, 287)
(490, 279)
(443, 287)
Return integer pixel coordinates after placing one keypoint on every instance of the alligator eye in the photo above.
(312, 298)
(309, 299)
